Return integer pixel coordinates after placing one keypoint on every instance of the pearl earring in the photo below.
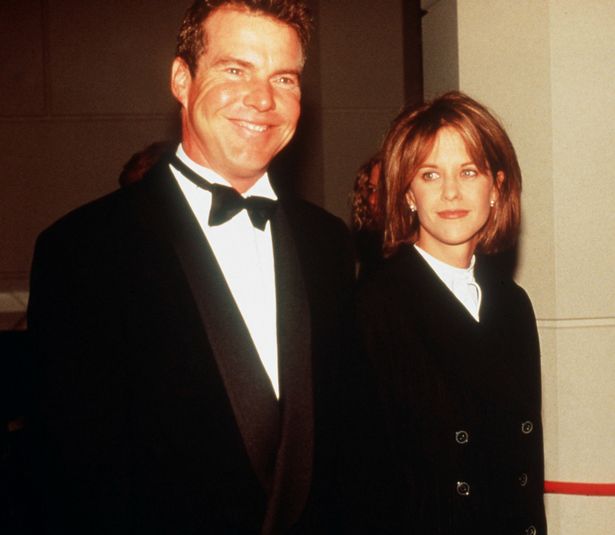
(412, 208)
(492, 203)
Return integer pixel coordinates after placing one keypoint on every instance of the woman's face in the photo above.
(452, 198)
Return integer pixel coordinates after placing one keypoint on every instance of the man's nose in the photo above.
(260, 95)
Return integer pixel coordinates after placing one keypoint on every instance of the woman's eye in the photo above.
(469, 173)
(430, 175)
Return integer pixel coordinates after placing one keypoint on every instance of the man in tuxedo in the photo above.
(190, 327)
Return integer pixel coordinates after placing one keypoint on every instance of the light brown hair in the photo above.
(410, 141)
(192, 41)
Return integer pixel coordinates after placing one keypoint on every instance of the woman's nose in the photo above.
(450, 188)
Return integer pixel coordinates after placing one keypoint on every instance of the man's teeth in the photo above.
(254, 127)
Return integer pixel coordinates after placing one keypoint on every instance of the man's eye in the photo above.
(234, 71)
(287, 80)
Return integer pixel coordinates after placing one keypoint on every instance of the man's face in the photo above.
(242, 106)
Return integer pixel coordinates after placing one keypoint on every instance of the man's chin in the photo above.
(243, 178)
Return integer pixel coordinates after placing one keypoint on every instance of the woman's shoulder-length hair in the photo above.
(409, 142)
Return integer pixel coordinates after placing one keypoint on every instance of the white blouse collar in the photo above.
(460, 281)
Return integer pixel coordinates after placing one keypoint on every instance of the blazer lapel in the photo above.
(279, 436)
(293, 470)
(245, 379)
(445, 324)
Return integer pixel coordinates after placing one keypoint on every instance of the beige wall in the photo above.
(84, 85)
(546, 67)
(362, 83)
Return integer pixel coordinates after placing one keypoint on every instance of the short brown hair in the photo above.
(191, 39)
(409, 142)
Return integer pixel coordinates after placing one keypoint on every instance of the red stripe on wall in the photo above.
(582, 489)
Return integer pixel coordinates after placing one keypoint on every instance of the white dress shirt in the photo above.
(460, 281)
(245, 256)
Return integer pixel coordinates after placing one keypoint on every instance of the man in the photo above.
(190, 340)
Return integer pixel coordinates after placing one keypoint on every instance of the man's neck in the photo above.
(239, 183)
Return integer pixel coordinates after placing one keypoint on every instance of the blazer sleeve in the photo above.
(80, 381)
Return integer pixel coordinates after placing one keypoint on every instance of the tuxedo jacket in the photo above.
(461, 399)
(156, 414)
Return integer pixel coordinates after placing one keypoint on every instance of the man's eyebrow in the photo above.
(229, 60)
(292, 71)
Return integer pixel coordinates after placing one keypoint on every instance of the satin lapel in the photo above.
(247, 384)
(293, 471)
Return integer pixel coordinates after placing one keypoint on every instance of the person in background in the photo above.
(366, 215)
(454, 342)
(190, 328)
(142, 161)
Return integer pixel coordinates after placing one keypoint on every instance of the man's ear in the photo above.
(180, 81)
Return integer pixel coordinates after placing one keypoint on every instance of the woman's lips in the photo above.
(453, 214)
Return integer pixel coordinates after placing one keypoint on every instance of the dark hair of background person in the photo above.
(409, 142)
(366, 215)
(141, 162)
(192, 40)
(364, 201)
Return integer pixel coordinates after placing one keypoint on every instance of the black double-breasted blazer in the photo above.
(461, 399)
(156, 415)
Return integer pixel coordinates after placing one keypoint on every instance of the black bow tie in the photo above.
(227, 202)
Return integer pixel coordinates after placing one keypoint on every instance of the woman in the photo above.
(453, 341)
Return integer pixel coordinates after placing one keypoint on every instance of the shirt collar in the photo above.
(261, 188)
(446, 272)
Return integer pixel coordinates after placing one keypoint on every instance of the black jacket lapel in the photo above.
(279, 437)
(293, 471)
(247, 384)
